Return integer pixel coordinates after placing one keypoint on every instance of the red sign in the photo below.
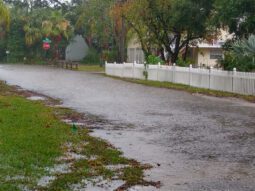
(46, 46)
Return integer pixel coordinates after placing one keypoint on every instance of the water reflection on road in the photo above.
(193, 142)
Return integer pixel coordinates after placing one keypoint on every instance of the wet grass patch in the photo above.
(91, 68)
(33, 139)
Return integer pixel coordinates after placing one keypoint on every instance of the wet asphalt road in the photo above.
(194, 142)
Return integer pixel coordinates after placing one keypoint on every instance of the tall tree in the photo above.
(171, 24)
(32, 4)
(132, 11)
(4, 16)
(237, 15)
(57, 28)
(95, 23)
(120, 28)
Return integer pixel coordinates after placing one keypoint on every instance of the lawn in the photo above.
(33, 140)
(91, 68)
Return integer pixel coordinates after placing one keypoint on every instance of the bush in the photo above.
(240, 55)
(96, 58)
(93, 57)
(243, 64)
(152, 59)
(182, 63)
(110, 55)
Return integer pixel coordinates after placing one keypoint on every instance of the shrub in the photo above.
(230, 61)
(183, 63)
(240, 55)
(152, 59)
(93, 57)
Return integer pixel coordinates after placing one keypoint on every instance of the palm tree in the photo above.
(57, 27)
(32, 35)
(245, 47)
(4, 15)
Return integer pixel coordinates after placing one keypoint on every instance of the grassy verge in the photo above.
(91, 68)
(33, 140)
(189, 89)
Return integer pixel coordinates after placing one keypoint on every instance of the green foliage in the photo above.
(183, 63)
(4, 16)
(93, 57)
(241, 55)
(245, 47)
(244, 64)
(3, 44)
(133, 176)
(170, 23)
(29, 27)
(109, 55)
(152, 59)
(237, 15)
(95, 23)
(15, 41)
(30, 139)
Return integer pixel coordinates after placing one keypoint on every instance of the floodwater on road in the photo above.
(195, 143)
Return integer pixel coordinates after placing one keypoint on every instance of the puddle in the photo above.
(60, 168)
(116, 167)
(97, 184)
(45, 181)
(9, 178)
(36, 98)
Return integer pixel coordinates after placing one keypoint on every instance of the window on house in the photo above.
(216, 55)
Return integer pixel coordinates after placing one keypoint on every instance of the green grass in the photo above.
(32, 137)
(189, 89)
(91, 68)
(133, 175)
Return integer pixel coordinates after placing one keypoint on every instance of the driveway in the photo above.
(194, 142)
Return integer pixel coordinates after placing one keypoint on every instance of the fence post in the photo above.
(115, 69)
(123, 69)
(174, 72)
(134, 69)
(158, 71)
(233, 79)
(106, 71)
(190, 68)
(210, 73)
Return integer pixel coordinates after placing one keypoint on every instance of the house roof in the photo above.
(207, 45)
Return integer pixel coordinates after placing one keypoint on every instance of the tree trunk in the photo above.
(162, 54)
(174, 57)
(186, 51)
(122, 47)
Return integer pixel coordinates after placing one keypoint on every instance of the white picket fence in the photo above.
(229, 81)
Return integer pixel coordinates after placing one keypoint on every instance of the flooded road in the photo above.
(195, 143)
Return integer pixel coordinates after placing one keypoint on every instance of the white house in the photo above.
(134, 51)
(204, 54)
